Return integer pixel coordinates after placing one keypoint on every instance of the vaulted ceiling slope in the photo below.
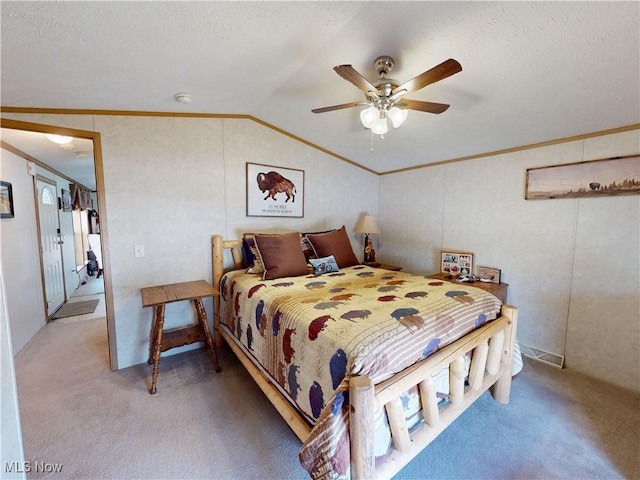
(531, 71)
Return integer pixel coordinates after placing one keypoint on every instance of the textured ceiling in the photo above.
(532, 71)
(75, 160)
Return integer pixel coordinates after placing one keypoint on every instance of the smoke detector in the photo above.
(184, 98)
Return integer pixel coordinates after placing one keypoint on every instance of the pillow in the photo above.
(324, 265)
(307, 248)
(334, 243)
(252, 259)
(246, 250)
(281, 255)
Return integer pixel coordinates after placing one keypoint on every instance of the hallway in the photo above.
(92, 289)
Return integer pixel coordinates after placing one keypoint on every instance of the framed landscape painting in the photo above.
(611, 176)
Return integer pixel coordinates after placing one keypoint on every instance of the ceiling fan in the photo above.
(385, 96)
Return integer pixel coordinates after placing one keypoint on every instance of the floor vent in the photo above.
(537, 354)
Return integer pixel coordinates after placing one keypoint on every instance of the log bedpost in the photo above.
(361, 427)
(502, 388)
(218, 246)
(217, 266)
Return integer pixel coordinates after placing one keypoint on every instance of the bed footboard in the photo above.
(492, 349)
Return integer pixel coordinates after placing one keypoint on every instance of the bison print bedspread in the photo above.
(310, 333)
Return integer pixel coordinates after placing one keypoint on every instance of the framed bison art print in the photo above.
(274, 191)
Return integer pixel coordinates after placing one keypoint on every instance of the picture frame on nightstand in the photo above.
(456, 263)
(489, 274)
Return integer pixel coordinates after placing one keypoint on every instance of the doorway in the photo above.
(93, 137)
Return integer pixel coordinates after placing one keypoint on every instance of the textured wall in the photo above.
(572, 264)
(10, 430)
(19, 254)
(170, 183)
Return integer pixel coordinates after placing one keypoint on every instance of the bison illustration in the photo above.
(275, 183)
(594, 186)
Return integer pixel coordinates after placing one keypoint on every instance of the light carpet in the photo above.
(105, 425)
(89, 285)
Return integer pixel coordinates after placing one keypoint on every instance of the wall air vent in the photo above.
(547, 357)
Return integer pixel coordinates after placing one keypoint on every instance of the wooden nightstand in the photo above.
(384, 266)
(498, 289)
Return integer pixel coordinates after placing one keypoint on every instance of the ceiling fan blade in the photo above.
(349, 73)
(429, 107)
(338, 107)
(437, 73)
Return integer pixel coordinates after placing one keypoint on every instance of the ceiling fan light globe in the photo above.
(397, 116)
(380, 127)
(368, 116)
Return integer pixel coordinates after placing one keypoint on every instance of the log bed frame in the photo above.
(492, 347)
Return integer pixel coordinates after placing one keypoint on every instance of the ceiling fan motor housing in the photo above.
(383, 65)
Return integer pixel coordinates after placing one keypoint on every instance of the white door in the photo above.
(50, 241)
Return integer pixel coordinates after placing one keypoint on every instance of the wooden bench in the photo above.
(162, 341)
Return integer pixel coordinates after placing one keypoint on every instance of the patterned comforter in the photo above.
(311, 333)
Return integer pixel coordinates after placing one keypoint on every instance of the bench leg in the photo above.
(202, 319)
(156, 345)
(154, 335)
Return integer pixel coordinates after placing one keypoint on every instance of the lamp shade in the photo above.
(397, 116)
(367, 224)
(379, 126)
(368, 116)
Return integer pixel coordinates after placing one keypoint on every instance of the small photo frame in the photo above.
(66, 200)
(488, 274)
(456, 263)
(6, 200)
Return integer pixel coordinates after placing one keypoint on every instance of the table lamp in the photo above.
(368, 225)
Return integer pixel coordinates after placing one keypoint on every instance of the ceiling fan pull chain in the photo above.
(371, 141)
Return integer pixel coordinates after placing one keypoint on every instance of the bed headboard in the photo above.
(218, 246)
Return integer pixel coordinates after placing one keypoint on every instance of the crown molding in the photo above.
(131, 113)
